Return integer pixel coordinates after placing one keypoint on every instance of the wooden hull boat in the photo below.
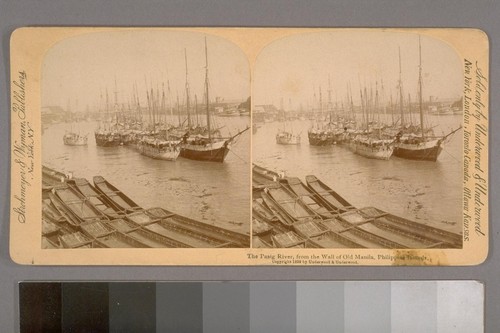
(288, 240)
(95, 197)
(288, 204)
(119, 240)
(226, 238)
(263, 176)
(376, 149)
(362, 238)
(427, 236)
(114, 196)
(328, 197)
(211, 152)
(261, 228)
(75, 139)
(322, 237)
(77, 208)
(259, 243)
(422, 150)
(75, 240)
(308, 197)
(51, 176)
(262, 212)
(159, 149)
(108, 139)
(287, 138)
(320, 138)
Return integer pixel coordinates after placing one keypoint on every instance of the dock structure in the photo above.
(78, 214)
(313, 215)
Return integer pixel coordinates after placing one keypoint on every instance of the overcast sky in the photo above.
(294, 67)
(76, 70)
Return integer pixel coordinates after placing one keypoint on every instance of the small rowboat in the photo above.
(72, 203)
(328, 197)
(119, 200)
(96, 198)
(309, 198)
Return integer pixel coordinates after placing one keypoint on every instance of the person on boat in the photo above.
(398, 136)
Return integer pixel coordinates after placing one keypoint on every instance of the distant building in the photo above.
(54, 114)
(270, 112)
(258, 114)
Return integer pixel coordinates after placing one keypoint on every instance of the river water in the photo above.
(215, 193)
(427, 192)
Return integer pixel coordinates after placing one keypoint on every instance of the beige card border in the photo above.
(28, 46)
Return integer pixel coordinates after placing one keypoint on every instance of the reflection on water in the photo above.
(215, 193)
(428, 192)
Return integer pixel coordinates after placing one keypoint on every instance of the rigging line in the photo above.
(452, 156)
(241, 158)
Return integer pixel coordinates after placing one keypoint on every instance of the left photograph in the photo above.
(146, 141)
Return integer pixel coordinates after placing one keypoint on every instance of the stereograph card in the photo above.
(249, 146)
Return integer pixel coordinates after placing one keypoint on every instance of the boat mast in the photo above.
(376, 109)
(362, 107)
(409, 110)
(138, 104)
(196, 109)
(206, 92)
(156, 107)
(314, 103)
(330, 105)
(401, 92)
(100, 108)
(116, 104)
(392, 111)
(77, 113)
(179, 110)
(351, 103)
(384, 102)
(187, 91)
(107, 112)
(367, 109)
(282, 109)
(163, 104)
(321, 106)
(420, 87)
(170, 102)
(149, 108)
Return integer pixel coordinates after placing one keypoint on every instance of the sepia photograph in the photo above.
(249, 146)
(145, 141)
(357, 142)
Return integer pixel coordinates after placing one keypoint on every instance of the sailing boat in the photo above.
(157, 146)
(108, 135)
(321, 134)
(209, 147)
(72, 138)
(159, 149)
(420, 146)
(369, 144)
(285, 136)
(75, 139)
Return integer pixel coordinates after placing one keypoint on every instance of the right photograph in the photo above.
(358, 142)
